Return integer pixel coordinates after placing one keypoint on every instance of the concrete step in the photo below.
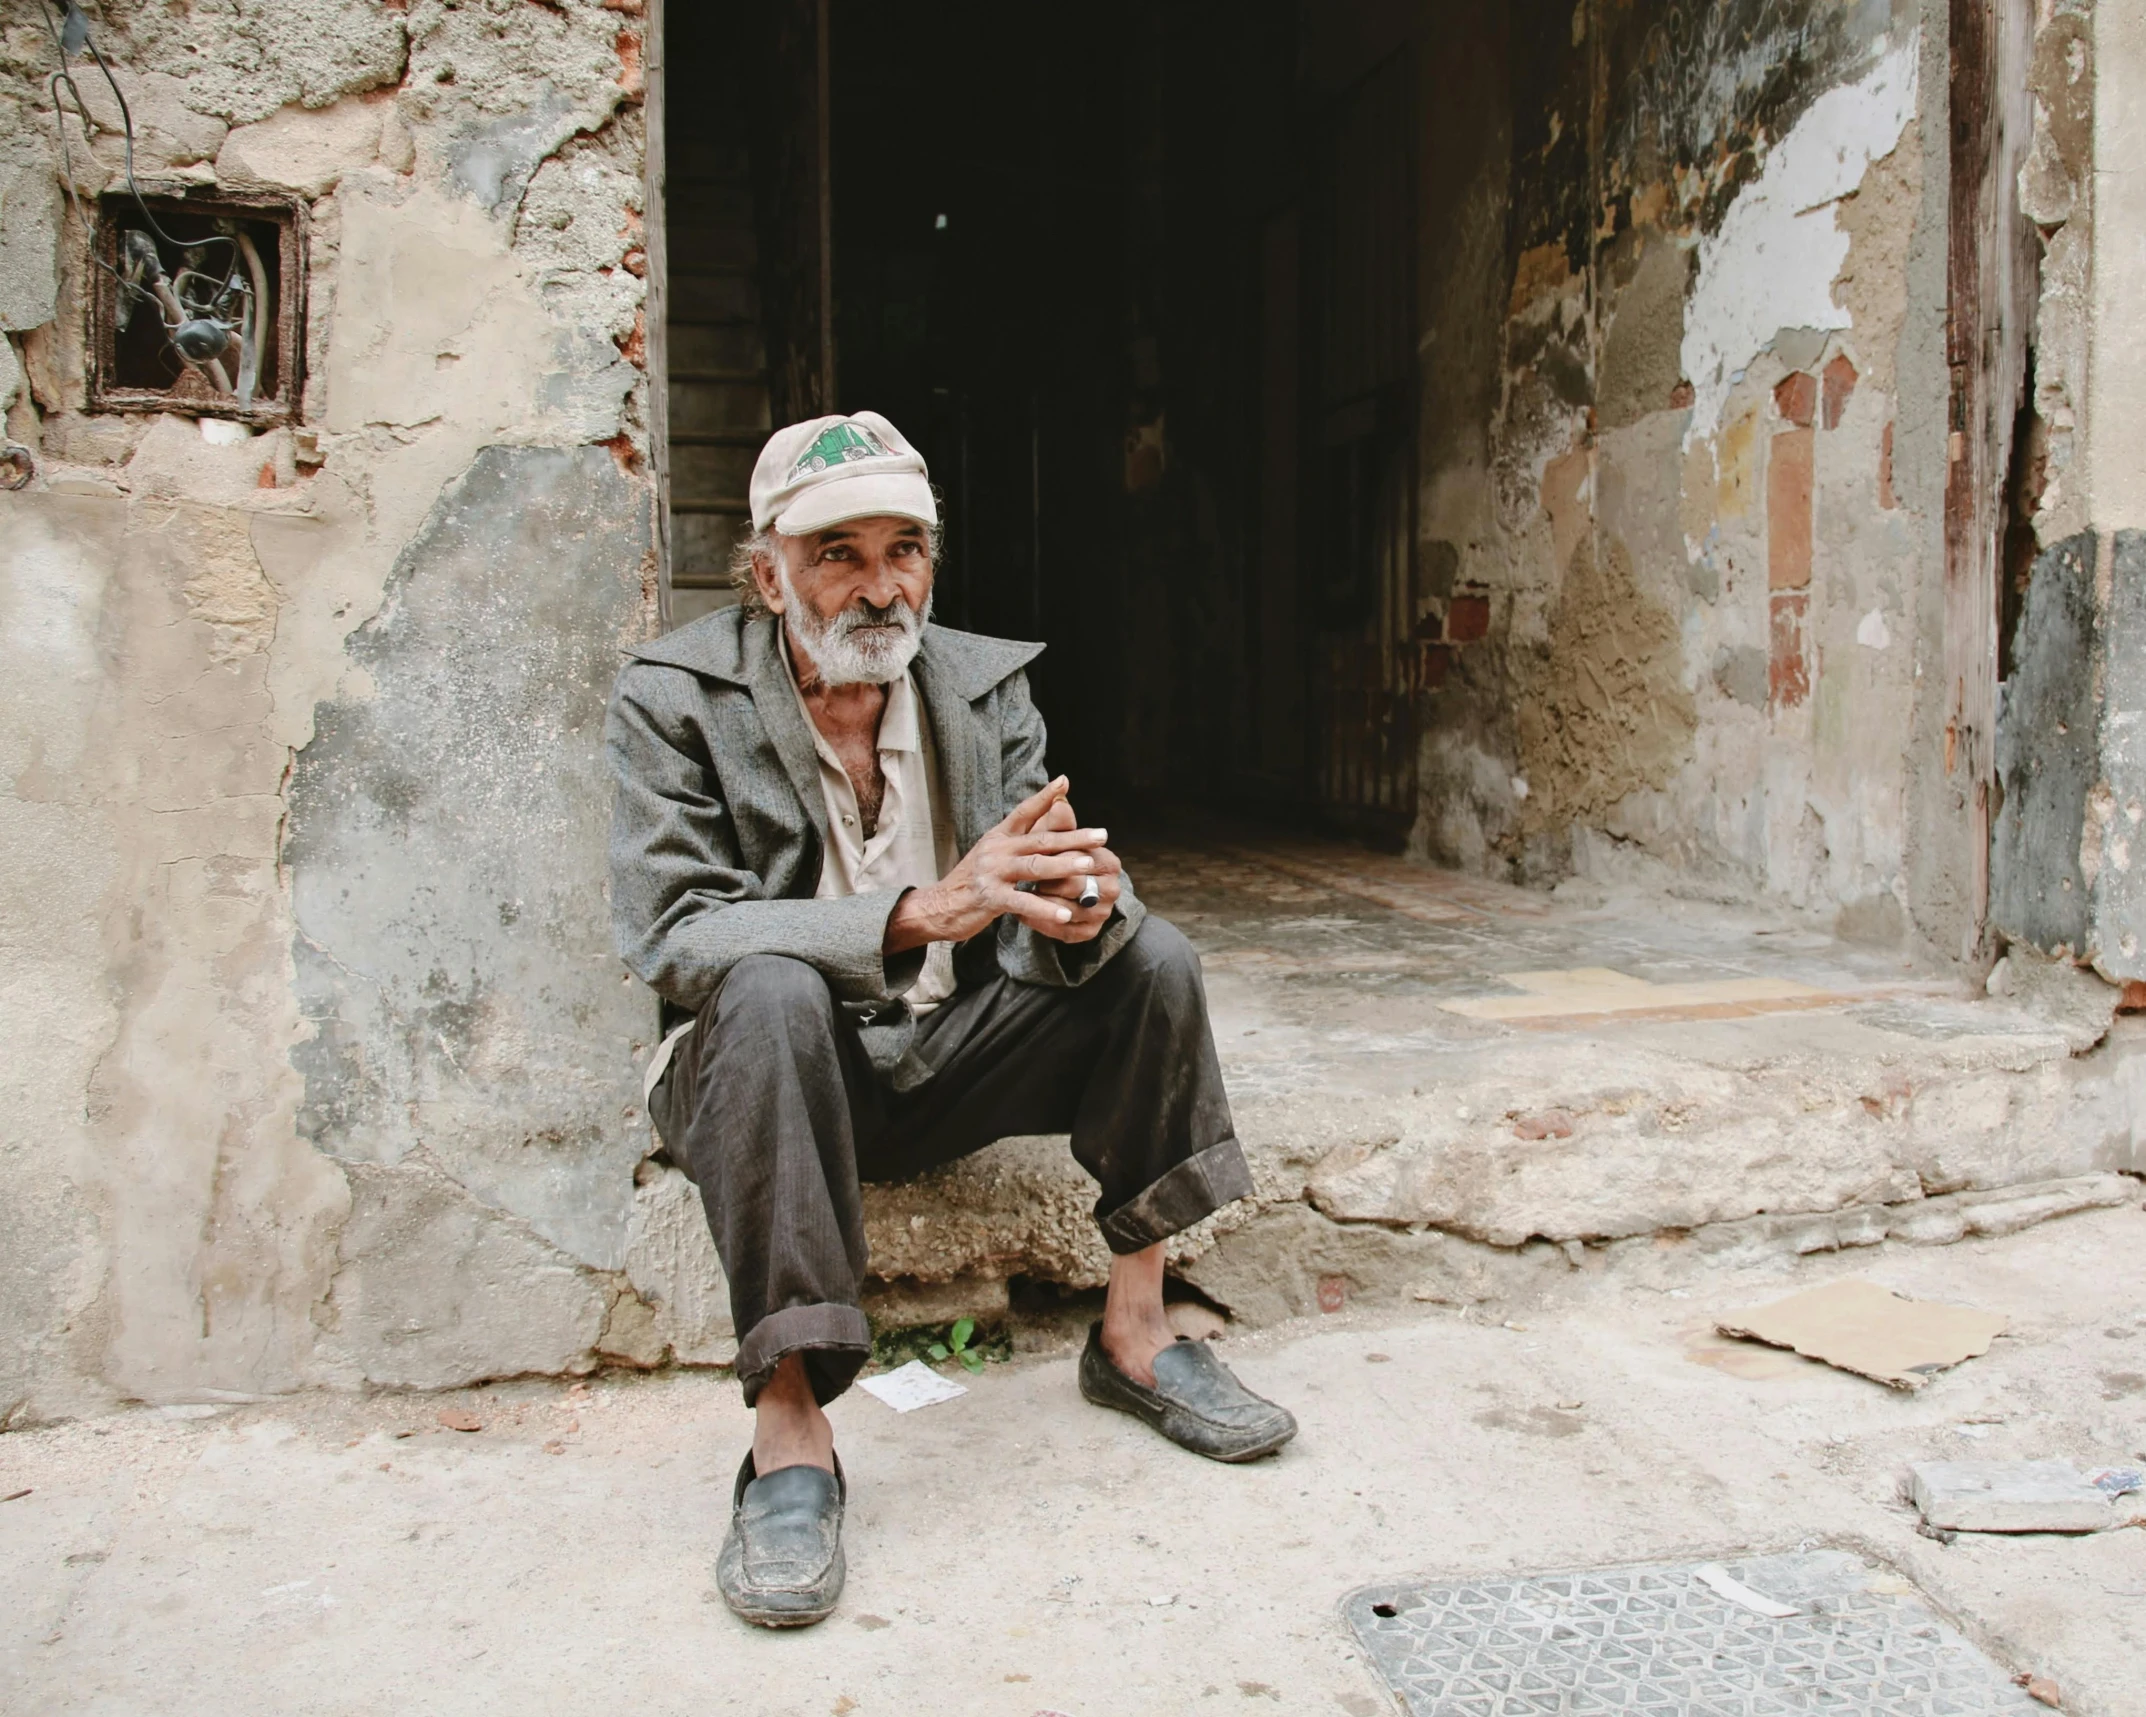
(1433, 1075)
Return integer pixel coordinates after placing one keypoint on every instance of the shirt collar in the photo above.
(897, 722)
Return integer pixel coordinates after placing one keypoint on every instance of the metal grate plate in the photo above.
(1655, 1639)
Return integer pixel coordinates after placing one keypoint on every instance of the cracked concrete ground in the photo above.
(1017, 1552)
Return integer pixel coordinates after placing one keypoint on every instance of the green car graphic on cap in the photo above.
(835, 444)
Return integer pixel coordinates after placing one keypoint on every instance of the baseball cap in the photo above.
(818, 473)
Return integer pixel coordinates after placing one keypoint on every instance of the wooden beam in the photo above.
(1990, 291)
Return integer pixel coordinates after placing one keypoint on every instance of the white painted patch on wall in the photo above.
(1773, 263)
(1871, 631)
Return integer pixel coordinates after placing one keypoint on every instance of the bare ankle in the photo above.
(789, 1429)
(1135, 1328)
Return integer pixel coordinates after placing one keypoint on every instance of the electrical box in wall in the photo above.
(199, 304)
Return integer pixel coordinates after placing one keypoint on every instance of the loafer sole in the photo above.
(768, 1610)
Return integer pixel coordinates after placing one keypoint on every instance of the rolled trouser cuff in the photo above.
(835, 1340)
(1196, 1188)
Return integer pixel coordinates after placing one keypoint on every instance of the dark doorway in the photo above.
(980, 163)
(1119, 273)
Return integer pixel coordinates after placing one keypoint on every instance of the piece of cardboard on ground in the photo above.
(1871, 1331)
(2015, 1496)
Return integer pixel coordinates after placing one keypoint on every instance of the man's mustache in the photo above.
(896, 616)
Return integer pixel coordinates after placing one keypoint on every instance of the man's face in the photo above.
(854, 596)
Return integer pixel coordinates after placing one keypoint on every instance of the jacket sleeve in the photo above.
(1024, 955)
(684, 907)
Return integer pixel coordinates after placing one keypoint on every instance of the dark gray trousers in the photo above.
(773, 1107)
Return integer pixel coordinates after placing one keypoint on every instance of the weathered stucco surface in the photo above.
(1716, 467)
(2049, 755)
(445, 833)
(357, 670)
(2118, 373)
(2068, 861)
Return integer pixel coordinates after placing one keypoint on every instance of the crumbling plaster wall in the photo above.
(2110, 372)
(1682, 576)
(2068, 867)
(2116, 182)
(321, 1069)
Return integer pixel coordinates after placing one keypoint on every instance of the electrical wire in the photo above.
(126, 121)
(74, 24)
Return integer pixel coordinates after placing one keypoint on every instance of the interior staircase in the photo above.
(717, 362)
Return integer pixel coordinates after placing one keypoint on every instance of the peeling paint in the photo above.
(1773, 262)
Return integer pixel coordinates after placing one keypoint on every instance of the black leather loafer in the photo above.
(1196, 1402)
(781, 1565)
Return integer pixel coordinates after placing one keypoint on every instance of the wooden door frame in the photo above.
(655, 305)
(1991, 286)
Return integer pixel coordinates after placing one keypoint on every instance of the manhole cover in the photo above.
(1658, 1639)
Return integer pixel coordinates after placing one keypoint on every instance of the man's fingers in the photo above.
(1057, 841)
(1059, 816)
(1041, 913)
(1023, 816)
(1049, 867)
(1068, 888)
(1069, 870)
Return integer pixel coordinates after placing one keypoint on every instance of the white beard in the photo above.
(859, 646)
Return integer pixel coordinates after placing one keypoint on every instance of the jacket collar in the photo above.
(952, 670)
(767, 676)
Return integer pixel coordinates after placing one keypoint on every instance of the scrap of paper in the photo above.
(908, 1387)
(1726, 1585)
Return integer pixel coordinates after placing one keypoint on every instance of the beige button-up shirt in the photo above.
(912, 846)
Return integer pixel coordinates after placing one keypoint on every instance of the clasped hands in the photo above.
(1040, 843)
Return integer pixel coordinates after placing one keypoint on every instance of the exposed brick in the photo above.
(1840, 385)
(1433, 662)
(1549, 1124)
(1788, 669)
(1886, 497)
(1788, 511)
(1467, 619)
(1333, 1293)
(1681, 396)
(1796, 397)
(632, 78)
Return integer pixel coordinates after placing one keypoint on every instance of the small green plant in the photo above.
(974, 1344)
(956, 1345)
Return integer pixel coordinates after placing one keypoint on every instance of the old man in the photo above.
(882, 940)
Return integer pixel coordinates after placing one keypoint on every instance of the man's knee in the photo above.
(1160, 955)
(774, 985)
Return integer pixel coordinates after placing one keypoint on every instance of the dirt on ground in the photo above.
(546, 1547)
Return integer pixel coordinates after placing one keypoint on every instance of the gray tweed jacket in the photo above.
(719, 824)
